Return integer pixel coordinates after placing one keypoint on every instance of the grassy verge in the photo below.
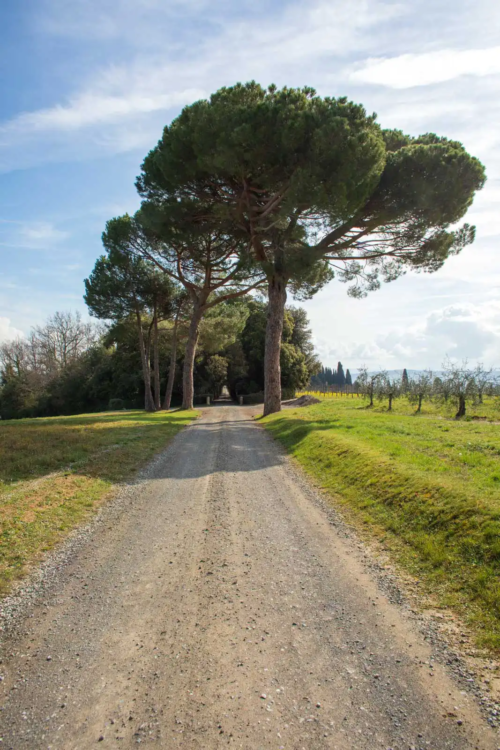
(429, 485)
(54, 473)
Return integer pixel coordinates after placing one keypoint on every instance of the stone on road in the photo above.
(217, 606)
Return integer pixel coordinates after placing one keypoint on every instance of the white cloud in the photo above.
(91, 108)
(8, 331)
(119, 106)
(33, 235)
(459, 331)
(405, 71)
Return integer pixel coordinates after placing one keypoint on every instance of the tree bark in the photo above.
(461, 407)
(156, 362)
(274, 330)
(171, 371)
(191, 344)
(148, 396)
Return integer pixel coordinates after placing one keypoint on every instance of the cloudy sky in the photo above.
(86, 86)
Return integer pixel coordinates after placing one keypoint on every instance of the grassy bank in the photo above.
(429, 485)
(54, 473)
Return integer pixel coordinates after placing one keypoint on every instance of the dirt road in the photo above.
(215, 605)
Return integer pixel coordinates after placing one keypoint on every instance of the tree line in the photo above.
(69, 366)
(282, 190)
(328, 376)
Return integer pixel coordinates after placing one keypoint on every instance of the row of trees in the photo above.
(284, 190)
(69, 366)
(456, 383)
(328, 377)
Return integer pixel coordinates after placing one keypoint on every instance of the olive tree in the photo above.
(317, 189)
(484, 381)
(458, 383)
(367, 383)
(387, 388)
(419, 388)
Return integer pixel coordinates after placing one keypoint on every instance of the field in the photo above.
(54, 473)
(426, 484)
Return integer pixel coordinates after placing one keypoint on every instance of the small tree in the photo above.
(495, 390)
(348, 378)
(459, 381)
(367, 383)
(483, 380)
(387, 388)
(441, 389)
(419, 388)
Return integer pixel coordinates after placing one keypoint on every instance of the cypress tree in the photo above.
(340, 374)
(348, 379)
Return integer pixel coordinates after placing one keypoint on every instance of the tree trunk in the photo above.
(420, 403)
(390, 403)
(274, 330)
(461, 407)
(156, 362)
(148, 396)
(171, 372)
(148, 357)
(187, 375)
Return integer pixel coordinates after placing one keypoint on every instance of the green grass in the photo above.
(429, 485)
(54, 473)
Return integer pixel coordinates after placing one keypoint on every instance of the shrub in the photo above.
(116, 404)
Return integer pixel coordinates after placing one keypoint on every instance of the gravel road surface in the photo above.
(215, 605)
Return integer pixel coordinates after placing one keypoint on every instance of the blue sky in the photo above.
(86, 86)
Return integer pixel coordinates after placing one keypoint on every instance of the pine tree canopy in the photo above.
(315, 185)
